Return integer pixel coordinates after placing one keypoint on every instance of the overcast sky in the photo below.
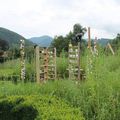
(32, 18)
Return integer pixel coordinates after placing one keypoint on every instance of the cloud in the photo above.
(55, 17)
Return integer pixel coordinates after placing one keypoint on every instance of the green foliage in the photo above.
(62, 66)
(16, 108)
(11, 68)
(116, 42)
(12, 37)
(4, 45)
(61, 42)
(43, 41)
(77, 28)
(37, 107)
(97, 99)
(14, 53)
(11, 40)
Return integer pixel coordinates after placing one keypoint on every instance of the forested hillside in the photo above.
(13, 38)
(43, 41)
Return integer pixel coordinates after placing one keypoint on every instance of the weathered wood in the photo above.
(78, 60)
(55, 63)
(74, 61)
(70, 50)
(22, 53)
(89, 38)
(110, 47)
(37, 64)
(48, 63)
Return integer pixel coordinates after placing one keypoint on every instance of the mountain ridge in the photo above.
(43, 41)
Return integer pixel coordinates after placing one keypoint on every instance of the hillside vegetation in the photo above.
(13, 38)
(96, 98)
(43, 41)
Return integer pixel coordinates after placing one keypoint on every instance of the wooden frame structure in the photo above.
(45, 64)
(22, 59)
(89, 40)
(74, 62)
(110, 47)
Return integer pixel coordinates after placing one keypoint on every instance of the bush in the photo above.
(37, 108)
(16, 109)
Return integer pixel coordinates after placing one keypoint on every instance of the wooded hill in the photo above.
(12, 38)
(43, 41)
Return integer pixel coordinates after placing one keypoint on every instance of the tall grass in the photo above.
(98, 97)
(12, 68)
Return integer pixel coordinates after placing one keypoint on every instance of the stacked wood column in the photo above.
(45, 64)
(74, 62)
(22, 53)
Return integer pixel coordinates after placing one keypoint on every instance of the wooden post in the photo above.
(55, 63)
(70, 72)
(89, 38)
(91, 51)
(78, 60)
(37, 64)
(111, 48)
(22, 53)
(46, 64)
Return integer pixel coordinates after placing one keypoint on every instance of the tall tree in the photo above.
(58, 42)
(61, 43)
(78, 32)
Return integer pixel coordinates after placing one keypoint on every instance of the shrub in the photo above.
(38, 108)
(16, 109)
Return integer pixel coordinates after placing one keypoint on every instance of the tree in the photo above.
(59, 43)
(78, 32)
(77, 28)
(116, 42)
(4, 45)
(62, 43)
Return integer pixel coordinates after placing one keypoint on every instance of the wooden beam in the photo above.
(78, 60)
(55, 63)
(46, 64)
(70, 50)
(37, 64)
(22, 53)
(110, 47)
(89, 38)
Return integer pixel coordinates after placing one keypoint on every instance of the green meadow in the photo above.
(95, 98)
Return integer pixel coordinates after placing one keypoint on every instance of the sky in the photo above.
(34, 18)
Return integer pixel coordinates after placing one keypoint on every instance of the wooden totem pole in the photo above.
(22, 54)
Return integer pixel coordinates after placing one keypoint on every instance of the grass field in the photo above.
(96, 98)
